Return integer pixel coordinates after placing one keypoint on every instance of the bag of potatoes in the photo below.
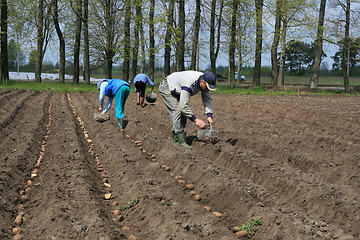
(101, 117)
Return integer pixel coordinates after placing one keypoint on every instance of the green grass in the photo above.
(222, 87)
(50, 86)
(328, 80)
(261, 90)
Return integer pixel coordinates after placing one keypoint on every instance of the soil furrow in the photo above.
(291, 159)
(67, 184)
(13, 107)
(19, 147)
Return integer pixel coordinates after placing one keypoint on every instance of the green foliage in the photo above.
(354, 57)
(15, 55)
(131, 204)
(299, 57)
(251, 226)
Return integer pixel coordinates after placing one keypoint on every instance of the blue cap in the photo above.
(210, 80)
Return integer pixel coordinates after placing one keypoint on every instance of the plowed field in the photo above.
(293, 160)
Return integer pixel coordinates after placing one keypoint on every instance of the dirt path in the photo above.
(294, 160)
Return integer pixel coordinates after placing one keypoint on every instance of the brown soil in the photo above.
(294, 160)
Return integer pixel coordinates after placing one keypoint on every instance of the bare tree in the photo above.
(3, 39)
(215, 48)
(275, 44)
(318, 46)
(136, 44)
(60, 35)
(259, 4)
(168, 34)
(195, 41)
(40, 41)
(78, 24)
(346, 46)
(232, 43)
(86, 55)
(180, 37)
(152, 40)
(126, 64)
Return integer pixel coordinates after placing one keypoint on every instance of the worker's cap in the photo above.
(99, 83)
(210, 80)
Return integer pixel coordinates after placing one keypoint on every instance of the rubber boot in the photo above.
(120, 123)
(174, 137)
(182, 140)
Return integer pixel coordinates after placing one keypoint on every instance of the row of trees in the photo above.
(193, 34)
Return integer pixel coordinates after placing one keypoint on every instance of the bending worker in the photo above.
(140, 82)
(176, 90)
(119, 89)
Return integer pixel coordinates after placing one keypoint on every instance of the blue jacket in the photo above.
(143, 78)
(113, 86)
(109, 87)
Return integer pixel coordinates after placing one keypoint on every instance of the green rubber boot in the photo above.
(182, 140)
(174, 137)
(120, 123)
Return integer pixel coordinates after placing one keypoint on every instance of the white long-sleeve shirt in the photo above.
(186, 84)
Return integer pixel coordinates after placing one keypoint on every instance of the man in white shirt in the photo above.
(176, 90)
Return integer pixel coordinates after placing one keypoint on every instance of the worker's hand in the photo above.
(200, 123)
(210, 119)
(100, 109)
(103, 112)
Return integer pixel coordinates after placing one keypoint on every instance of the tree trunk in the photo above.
(126, 66)
(241, 30)
(318, 47)
(257, 69)
(195, 42)
(142, 52)
(86, 57)
(40, 41)
(346, 48)
(152, 41)
(275, 44)
(212, 36)
(3, 36)
(214, 50)
(180, 38)
(78, 11)
(61, 42)
(135, 52)
(280, 78)
(169, 30)
(110, 35)
(232, 45)
(219, 33)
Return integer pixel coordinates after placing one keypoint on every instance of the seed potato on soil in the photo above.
(294, 160)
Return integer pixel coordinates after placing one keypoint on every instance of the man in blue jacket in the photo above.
(119, 89)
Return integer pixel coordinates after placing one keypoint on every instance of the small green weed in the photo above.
(129, 205)
(72, 173)
(113, 228)
(37, 184)
(172, 204)
(251, 226)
